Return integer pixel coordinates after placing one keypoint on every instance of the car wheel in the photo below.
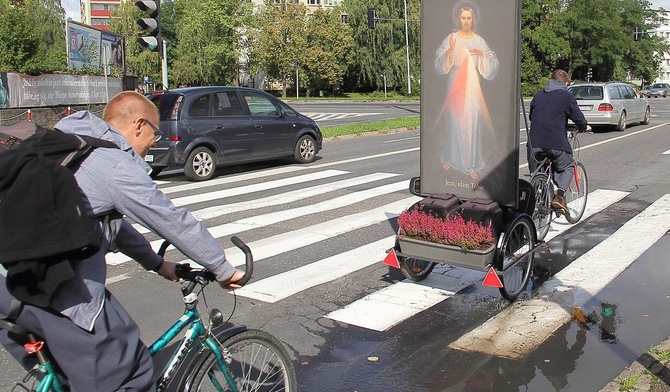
(621, 126)
(200, 164)
(305, 150)
(647, 116)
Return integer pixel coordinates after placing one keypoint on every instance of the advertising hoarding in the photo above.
(470, 77)
(83, 49)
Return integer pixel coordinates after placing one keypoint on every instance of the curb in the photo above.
(653, 374)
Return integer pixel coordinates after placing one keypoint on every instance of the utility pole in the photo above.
(409, 82)
(372, 21)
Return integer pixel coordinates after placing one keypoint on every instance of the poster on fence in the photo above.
(25, 91)
(470, 73)
(83, 49)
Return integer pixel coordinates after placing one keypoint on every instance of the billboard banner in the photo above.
(24, 91)
(470, 70)
(83, 49)
(113, 54)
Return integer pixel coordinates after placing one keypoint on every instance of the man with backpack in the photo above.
(93, 339)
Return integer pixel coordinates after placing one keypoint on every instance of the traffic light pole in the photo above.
(165, 68)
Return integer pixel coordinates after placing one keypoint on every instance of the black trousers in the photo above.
(109, 358)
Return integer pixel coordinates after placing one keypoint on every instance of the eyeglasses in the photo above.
(157, 132)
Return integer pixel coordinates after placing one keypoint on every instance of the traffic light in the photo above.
(371, 18)
(589, 74)
(152, 24)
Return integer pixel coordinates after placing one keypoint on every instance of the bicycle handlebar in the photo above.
(186, 272)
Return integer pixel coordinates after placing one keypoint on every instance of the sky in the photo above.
(72, 7)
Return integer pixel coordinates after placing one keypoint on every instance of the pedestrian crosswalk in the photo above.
(321, 117)
(311, 206)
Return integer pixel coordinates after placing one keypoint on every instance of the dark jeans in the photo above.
(562, 164)
(109, 358)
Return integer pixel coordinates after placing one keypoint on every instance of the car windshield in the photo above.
(658, 85)
(587, 92)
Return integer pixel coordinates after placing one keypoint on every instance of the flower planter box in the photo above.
(447, 254)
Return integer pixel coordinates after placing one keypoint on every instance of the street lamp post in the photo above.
(409, 83)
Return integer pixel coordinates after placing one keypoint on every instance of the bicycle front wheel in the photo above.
(576, 194)
(542, 212)
(256, 361)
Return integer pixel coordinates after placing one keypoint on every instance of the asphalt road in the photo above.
(319, 233)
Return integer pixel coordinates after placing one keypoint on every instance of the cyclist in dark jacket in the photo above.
(550, 110)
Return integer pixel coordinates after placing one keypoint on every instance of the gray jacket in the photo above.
(112, 179)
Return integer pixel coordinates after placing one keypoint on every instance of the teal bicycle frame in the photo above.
(196, 330)
(190, 320)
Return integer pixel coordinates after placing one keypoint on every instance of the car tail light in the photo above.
(605, 107)
(175, 138)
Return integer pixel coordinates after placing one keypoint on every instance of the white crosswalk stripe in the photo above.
(389, 306)
(337, 116)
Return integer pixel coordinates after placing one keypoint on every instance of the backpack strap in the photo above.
(7, 321)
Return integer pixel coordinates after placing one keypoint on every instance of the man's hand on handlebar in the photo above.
(167, 270)
(230, 283)
(588, 129)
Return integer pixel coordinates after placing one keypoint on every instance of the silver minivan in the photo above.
(611, 103)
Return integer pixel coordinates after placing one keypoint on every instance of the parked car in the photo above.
(611, 103)
(206, 127)
(659, 90)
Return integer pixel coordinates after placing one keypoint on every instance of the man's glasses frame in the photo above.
(158, 135)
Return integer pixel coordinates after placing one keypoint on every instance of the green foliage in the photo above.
(278, 40)
(208, 37)
(328, 46)
(32, 36)
(380, 126)
(382, 51)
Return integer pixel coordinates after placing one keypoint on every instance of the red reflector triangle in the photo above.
(391, 259)
(492, 279)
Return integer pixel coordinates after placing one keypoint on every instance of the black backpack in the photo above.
(44, 222)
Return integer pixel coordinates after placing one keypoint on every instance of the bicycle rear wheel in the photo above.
(542, 213)
(256, 361)
(576, 194)
(516, 258)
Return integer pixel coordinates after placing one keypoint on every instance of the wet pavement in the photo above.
(580, 357)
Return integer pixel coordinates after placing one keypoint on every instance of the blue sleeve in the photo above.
(135, 195)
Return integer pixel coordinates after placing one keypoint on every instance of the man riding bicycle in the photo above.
(93, 339)
(550, 110)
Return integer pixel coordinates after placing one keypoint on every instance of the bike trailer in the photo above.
(440, 205)
(484, 211)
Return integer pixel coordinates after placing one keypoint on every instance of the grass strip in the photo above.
(412, 122)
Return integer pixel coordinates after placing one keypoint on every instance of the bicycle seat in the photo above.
(541, 156)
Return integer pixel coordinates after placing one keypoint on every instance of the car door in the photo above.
(231, 126)
(636, 104)
(275, 133)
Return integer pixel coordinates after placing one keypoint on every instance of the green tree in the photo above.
(382, 51)
(208, 35)
(32, 36)
(278, 41)
(328, 47)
